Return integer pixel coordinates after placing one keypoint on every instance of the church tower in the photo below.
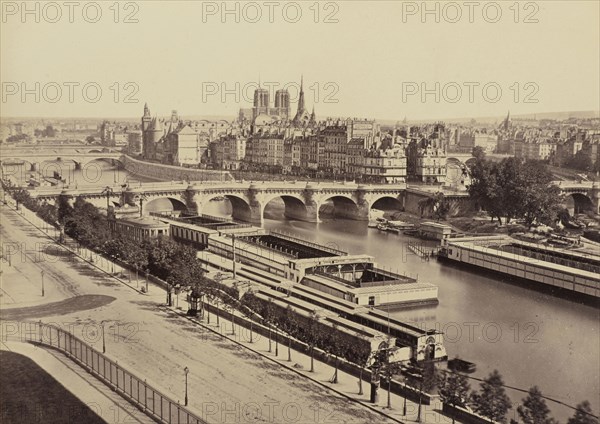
(301, 97)
(282, 103)
(313, 117)
(146, 119)
(301, 114)
(156, 131)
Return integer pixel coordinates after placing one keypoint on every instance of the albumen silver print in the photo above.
(304, 212)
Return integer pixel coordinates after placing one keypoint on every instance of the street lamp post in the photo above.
(186, 370)
(389, 382)
(108, 191)
(420, 398)
(103, 340)
(404, 407)
(146, 280)
(142, 198)
(42, 273)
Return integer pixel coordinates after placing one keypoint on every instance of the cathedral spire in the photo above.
(301, 107)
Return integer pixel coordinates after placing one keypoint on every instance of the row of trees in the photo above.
(311, 331)
(514, 189)
(492, 402)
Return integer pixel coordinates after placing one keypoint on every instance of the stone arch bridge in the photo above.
(302, 200)
(585, 195)
(35, 160)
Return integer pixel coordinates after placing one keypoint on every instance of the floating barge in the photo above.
(549, 266)
(312, 277)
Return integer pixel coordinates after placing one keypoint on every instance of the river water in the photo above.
(530, 337)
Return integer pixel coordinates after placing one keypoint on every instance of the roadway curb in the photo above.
(197, 322)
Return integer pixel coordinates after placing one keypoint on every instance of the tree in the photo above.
(583, 415)
(453, 389)
(312, 336)
(534, 409)
(335, 344)
(269, 317)
(485, 189)
(360, 354)
(540, 202)
(478, 153)
(492, 401)
(437, 204)
(580, 161)
(515, 189)
(289, 324)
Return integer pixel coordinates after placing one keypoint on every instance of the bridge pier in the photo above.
(253, 214)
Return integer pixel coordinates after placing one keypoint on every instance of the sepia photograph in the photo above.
(300, 212)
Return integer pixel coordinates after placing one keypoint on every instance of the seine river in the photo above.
(530, 337)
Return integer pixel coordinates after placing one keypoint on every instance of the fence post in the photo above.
(40, 329)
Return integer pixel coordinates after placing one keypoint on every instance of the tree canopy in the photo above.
(534, 409)
(515, 189)
(492, 401)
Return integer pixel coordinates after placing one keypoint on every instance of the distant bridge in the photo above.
(585, 195)
(35, 160)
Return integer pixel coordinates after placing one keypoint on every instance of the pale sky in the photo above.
(374, 60)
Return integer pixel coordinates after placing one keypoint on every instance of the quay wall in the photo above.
(172, 173)
(464, 416)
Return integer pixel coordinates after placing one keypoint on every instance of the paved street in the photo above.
(227, 382)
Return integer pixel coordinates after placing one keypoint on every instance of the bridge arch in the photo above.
(241, 209)
(579, 203)
(163, 204)
(452, 160)
(342, 206)
(16, 168)
(294, 207)
(387, 202)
